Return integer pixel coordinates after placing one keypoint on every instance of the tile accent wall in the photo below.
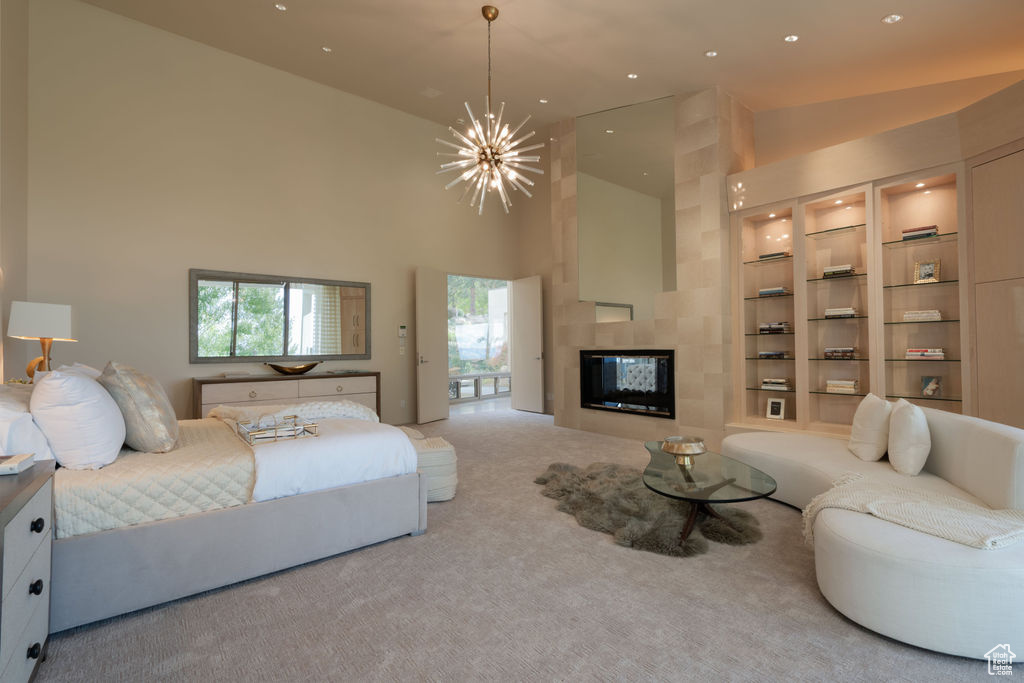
(714, 137)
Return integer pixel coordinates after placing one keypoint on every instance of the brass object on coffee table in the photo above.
(683, 447)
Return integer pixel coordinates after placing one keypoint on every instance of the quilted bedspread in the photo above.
(210, 469)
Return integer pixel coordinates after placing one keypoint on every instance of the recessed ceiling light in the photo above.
(784, 220)
(542, 101)
(892, 18)
(919, 185)
(632, 77)
(609, 131)
(839, 201)
(927, 191)
(645, 173)
(711, 53)
(281, 7)
(791, 38)
(785, 236)
(327, 49)
(848, 208)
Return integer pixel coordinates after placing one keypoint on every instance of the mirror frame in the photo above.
(196, 274)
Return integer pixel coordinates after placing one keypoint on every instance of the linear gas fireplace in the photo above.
(634, 381)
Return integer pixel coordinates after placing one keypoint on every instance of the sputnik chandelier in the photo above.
(488, 156)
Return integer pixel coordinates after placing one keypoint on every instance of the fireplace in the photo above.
(629, 381)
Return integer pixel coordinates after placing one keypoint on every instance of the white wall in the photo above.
(150, 154)
(620, 245)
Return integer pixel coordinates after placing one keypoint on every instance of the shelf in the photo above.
(849, 317)
(842, 360)
(922, 360)
(771, 334)
(772, 391)
(922, 284)
(834, 231)
(926, 398)
(833, 393)
(837, 279)
(934, 239)
(766, 359)
(770, 296)
(761, 262)
(922, 322)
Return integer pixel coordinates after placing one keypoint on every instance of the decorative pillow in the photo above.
(909, 439)
(149, 419)
(18, 432)
(79, 418)
(869, 435)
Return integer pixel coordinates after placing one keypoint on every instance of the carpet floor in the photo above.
(505, 587)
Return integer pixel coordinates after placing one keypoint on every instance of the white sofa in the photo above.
(904, 584)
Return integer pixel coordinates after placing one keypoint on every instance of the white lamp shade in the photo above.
(40, 321)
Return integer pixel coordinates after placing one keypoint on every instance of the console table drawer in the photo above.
(243, 392)
(24, 534)
(19, 604)
(338, 386)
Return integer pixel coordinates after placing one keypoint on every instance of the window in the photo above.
(242, 317)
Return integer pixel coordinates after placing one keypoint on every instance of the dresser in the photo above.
(360, 387)
(26, 511)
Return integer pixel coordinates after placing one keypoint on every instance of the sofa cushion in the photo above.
(869, 435)
(909, 441)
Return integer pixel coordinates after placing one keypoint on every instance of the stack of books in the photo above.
(841, 386)
(921, 316)
(774, 328)
(840, 352)
(928, 354)
(846, 312)
(774, 291)
(771, 354)
(774, 255)
(839, 271)
(775, 384)
(918, 233)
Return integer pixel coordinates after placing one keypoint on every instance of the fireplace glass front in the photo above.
(628, 381)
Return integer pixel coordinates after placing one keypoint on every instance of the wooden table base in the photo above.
(691, 520)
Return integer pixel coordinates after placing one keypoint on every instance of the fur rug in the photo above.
(613, 499)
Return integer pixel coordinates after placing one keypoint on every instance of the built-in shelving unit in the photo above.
(862, 227)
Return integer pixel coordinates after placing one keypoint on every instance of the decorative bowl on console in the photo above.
(293, 369)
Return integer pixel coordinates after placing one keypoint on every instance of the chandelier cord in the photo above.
(488, 67)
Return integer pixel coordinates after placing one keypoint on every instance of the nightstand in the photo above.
(26, 514)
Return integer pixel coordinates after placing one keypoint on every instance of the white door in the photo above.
(527, 323)
(431, 345)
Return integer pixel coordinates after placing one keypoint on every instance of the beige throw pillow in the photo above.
(149, 419)
(910, 442)
(869, 435)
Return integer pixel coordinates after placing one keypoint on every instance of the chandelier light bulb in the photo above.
(489, 156)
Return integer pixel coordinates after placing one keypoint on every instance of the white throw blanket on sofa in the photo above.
(352, 447)
(930, 513)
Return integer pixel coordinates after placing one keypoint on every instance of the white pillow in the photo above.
(81, 369)
(79, 418)
(869, 435)
(18, 432)
(909, 439)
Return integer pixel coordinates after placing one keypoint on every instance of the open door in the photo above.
(527, 322)
(431, 345)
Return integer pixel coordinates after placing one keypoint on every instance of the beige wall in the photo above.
(150, 154)
(788, 132)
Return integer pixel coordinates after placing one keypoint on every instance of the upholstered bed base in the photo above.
(104, 574)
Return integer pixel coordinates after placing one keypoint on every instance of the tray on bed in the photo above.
(290, 427)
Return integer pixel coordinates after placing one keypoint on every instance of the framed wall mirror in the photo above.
(242, 317)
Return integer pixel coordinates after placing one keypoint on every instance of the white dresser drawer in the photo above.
(31, 590)
(25, 533)
(337, 386)
(30, 641)
(238, 392)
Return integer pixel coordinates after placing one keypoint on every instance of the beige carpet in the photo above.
(504, 587)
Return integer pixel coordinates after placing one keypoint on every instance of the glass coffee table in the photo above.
(709, 478)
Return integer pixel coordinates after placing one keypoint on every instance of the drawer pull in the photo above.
(252, 394)
(36, 587)
(34, 651)
(37, 525)
(338, 388)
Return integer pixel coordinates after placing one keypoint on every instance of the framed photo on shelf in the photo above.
(931, 387)
(926, 271)
(776, 409)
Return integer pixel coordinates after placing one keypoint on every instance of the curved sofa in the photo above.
(904, 584)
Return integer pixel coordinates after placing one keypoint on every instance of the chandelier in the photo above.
(489, 157)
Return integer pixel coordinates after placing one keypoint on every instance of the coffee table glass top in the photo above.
(712, 478)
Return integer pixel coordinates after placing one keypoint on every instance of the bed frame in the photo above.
(101, 575)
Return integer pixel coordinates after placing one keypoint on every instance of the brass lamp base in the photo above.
(42, 363)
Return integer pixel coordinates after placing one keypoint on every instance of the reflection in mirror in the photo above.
(626, 205)
(245, 317)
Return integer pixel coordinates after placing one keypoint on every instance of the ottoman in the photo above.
(435, 459)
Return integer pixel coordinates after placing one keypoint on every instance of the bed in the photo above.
(128, 538)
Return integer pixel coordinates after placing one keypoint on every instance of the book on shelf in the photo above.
(846, 312)
(933, 354)
(922, 316)
(774, 255)
(920, 229)
(771, 354)
(774, 291)
(775, 384)
(839, 271)
(773, 328)
(841, 386)
(919, 235)
(840, 353)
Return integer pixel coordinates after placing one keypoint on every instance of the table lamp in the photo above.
(45, 322)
